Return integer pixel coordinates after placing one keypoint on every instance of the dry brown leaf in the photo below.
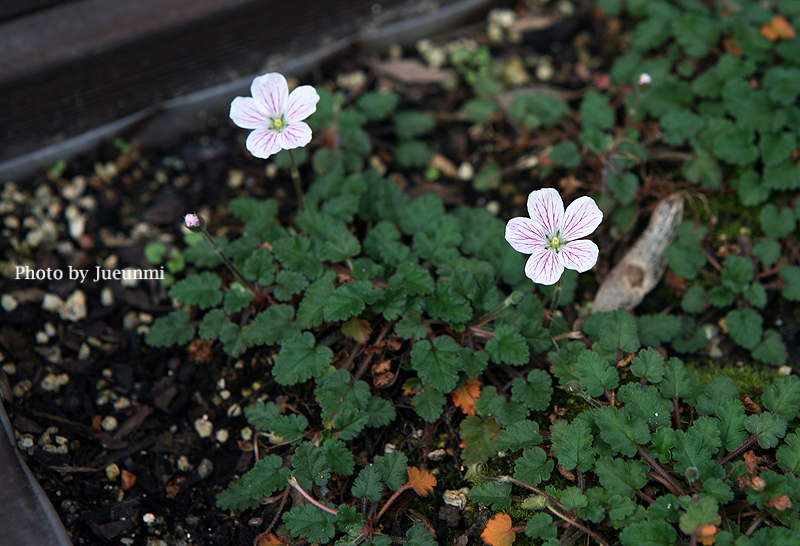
(410, 71)
(781, 502)
(751, 460)
(498, 531)
(778, 29)
(422, 481)
(382, 374)
(445, 166)
(466, 397)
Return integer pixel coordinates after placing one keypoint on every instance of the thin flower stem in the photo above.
(752, 529)
(298, 187)
(513, 299)
(236, 273)
(574, 523)
(659, 470)
(391, 500)
(738, 451)
(556, 295)
(309, 498)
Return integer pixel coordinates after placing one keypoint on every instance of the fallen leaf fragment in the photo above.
(422, 481)
(781, 502)
(498, 531)
(778, 29)
(466, 397)
(411, 71)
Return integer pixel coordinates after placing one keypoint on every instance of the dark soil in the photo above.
(169, 474)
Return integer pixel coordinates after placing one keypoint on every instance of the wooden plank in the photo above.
(195, 44)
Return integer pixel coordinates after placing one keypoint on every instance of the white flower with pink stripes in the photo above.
(275, 115)
(551, 235)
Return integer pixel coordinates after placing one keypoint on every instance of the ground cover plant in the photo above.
(397, 341)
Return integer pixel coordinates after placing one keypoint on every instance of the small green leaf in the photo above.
(411, 327)
(621, 430)
(413, 154)
(720, 389)
(290, 283)
(393, 468)
(300, 254)
(700, 514)
(596, 113)
(349, 300)
(520, 435)
(623, 186)
(783, 396)
(621, 477)
(648, 364)
(619, 332)
(655, 330)
(170, 329)
(534, 392)
(203, 290)
(309, 521)
(565, 154)
(412, 123)
(377, 104)
(647, 533)
(438, 364)
(350, 422)
(771, 350)
(533, 467)
(367, 484)
(479, 437)
(788, 455)
(496, 495)
(790, 275)
(776, 223)
(488, 178)
(508, 346)
(756, 294)
(261, 415)
(258, 215)
(782, 84)
(767, 251)
(572, 444)
(299, 360)
(275, 324)
(769, 427)
(745, 327)
(260, 267)
(596, 374)
(429, 404)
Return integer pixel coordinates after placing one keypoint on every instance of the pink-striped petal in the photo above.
(544, 267)
(302, 103)
(271, 93)
(296, 135)
(246, 114)
(546, 209)
(581, 219)
(262, 143)
(579, 255)
(524, 235)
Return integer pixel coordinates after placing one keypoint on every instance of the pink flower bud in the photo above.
(192, 221)
(645, 79)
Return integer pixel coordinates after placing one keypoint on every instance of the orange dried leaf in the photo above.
(422, 481)
(466, 396)
(781, 502)
(706, 534)
(268, 540)
(778, 29)
(498, 531)
(128, 480)
(751, 460)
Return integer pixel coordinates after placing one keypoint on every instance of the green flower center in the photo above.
(555, 243)
(278, 124)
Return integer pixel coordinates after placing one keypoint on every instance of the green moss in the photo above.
(748, 377)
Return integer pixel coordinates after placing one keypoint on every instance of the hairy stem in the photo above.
(309, 498)
(556, 295)
(298, 187)
(586, 530)
(659, 470)
(738, 451)
(236, 273)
